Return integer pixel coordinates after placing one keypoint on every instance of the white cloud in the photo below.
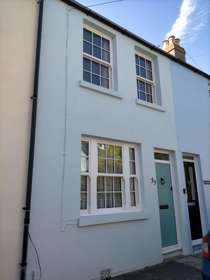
(191, 19)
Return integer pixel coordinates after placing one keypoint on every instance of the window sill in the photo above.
(151, 106)
(99, 89)
(97, 219)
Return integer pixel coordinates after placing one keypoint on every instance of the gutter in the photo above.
(27, 207)
(131, 35)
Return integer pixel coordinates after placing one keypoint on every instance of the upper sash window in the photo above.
(96, 58)
(145, 79)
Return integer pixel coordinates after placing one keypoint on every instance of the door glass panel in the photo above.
(191, 184)
(161, 156)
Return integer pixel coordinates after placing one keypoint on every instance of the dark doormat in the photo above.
(170, 270)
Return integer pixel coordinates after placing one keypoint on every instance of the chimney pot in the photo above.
(171, 38)
(165, 43)
(177, 41)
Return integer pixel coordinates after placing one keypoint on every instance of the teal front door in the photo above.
(166, 204)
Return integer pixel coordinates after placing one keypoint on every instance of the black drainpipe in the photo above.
(27, 206)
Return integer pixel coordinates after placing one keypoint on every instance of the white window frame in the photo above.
(93, 174)
(98, 60)
(152, 83)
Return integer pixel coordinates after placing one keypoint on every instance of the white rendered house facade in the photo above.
(108, 193)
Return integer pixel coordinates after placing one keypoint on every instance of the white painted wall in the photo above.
(192, 112)
(65, 111)
(18, 21)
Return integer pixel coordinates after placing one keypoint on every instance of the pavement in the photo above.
(179, 268)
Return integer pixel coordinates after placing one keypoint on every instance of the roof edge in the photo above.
(133, 36)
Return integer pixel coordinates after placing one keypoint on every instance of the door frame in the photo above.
(171, 162)
(194, 159)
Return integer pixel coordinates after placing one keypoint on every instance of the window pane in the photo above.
(84, 148)
(109, 200)
(142, 96)
(84, 183)
(110, 151)
(96, 79)
(104, 71)
(86, 64)
(161, 156)
(188, 157)
(109, 184)
(148, 65)
(84, 156)
(149, 75)
(84, 164)
(83, 201)
(97, 52)
(96, 40)
(118, 199)
(118, 152)
(105, 83)
(137, 70)
(118, 166)
(83, 193)
(149, 88)
(110, 166)
(141, 86)
(86, 76)
(106, 55)
(133, 199)
(100, 200)
(137, 59)
(142, 62)
(87, 47)
(132, 192)
(132, 168)
(87, 35)
(105, 44)
(101, 165)
(96, 68)
(149, 98)
(100, 184)
(117, 184)
(132, 184)
(142, 72)
(102, 150)
(131, 154)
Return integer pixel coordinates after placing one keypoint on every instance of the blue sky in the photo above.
(154, 19)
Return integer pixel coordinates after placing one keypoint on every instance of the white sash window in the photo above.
(96, 58)
(109, 176)
(145, 79)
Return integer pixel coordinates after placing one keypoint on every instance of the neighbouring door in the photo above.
(192, 200)
(166, 204)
